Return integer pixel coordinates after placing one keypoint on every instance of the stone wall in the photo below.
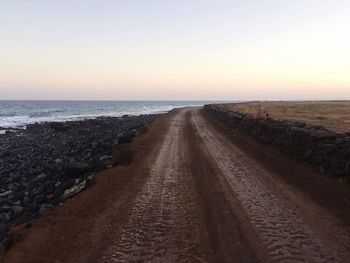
(327, 151)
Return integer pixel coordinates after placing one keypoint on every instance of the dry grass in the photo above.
(334, 115)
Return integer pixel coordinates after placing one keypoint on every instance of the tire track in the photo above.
(165, 224)
(279, 223)
(228, 240)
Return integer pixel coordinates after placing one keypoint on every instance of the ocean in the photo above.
(18, 114)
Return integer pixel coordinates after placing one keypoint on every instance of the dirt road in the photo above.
(191, 195)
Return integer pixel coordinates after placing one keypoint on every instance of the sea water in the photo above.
(16, 114)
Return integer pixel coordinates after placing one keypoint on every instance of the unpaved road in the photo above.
(193, 196)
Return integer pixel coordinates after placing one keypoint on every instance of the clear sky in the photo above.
(160, 49)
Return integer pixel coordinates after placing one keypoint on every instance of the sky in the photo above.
(175, 50)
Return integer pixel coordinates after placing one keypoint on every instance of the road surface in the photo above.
(197, 197)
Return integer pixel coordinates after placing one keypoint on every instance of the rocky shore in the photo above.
(326, 150)
(45, 164)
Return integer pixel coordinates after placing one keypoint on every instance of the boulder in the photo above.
(126, 138)
(76, 169)
(60, 190)
(17, 210)
(41, 177)
(7, 193)
(74, 190)
(45, 207)
(97, 165)
(105, 158)
(323, 134)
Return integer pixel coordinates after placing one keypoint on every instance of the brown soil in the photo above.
(195, 193)
(334, 115)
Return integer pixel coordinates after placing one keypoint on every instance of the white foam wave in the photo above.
(8, 122)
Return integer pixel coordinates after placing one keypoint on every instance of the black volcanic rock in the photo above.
(39, 163)
(76, 169)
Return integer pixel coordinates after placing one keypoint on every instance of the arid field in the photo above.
(334, 115)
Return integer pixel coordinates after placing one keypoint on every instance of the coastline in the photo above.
(18, 114)
(47, 163)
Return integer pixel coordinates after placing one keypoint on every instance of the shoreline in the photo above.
(63, 119)
(47, 163)
(17, 114)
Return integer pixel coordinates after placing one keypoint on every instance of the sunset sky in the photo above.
(223, 49)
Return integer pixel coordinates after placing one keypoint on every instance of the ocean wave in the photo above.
(33, 113)
(22, 121)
